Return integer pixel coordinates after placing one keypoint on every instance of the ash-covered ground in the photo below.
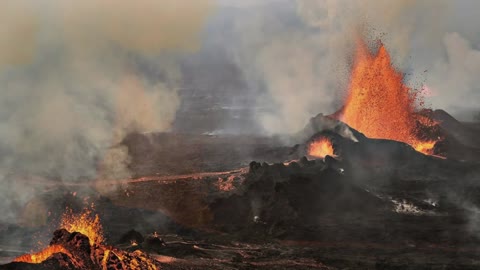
(248, 202)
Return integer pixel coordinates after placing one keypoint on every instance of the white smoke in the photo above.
(454, 81)
(303, 58)
(77, 76)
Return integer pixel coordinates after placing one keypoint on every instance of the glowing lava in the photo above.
(41, 256)
(98, 256)
(85, 223)
(379, 104)
(321, 148)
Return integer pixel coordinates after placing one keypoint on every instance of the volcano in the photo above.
(379, 104)
(383, 183)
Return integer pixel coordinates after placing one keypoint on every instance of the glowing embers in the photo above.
(41, 256)
(380, 105)
(425, 147)
(85, 223)
(79, 245)
(321, 147)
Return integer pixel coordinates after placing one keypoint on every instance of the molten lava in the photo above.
(41, 256)
(321, 148)
(85, 223)
(79, 230)
(379, 104)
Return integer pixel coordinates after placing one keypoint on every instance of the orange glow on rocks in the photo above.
(97, 256)
(378, 103)
(41, 256)
(321, 148)
(85, 223)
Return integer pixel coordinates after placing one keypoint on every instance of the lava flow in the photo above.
(379, 104)
(321, 148)
(41, 256)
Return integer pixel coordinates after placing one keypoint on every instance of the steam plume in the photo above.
(302, 55)
(77, 76)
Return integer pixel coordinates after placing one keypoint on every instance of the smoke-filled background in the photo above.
(300, 52)
(77, 76)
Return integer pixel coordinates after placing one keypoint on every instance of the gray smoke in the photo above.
(77, 76)
(300, 52)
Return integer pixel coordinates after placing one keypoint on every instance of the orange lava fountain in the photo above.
(379, 104)
(101, 256)
(321, 148)
(85, 223)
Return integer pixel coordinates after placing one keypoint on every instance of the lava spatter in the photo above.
(378, 102)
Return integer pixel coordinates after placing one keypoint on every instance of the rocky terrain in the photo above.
(377, 204)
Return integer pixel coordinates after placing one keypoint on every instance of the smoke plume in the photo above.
(77, 76)
(300, 53)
